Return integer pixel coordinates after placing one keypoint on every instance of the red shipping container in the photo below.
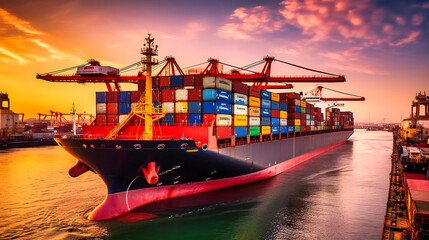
(293, 115)
(101, 119)
(112, 97)
(168, 95)
(181, 119)
(198, 80)
(112, 119)
(308, 128)
(141, 85)
(155, 82)
(135, 96)
(188, 80)
(164, 81)
(112, 108)
(156, 96)
(194, 94)
(241, 88)
(223, 132)
(209, 119)
(254, 92)
(291, 95)
(275, 113)
(307, 110)
(303, 116)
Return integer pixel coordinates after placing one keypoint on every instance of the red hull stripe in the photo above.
(118, 203)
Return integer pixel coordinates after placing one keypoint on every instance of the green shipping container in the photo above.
(297, 129)
(302, 109)
(254, 130)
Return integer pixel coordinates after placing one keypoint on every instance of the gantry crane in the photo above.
(169, 64)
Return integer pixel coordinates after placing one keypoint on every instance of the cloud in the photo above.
(19, 24)
(21, 43)
(252, 21)
(411, 38)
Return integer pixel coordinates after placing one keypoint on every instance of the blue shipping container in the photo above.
(275, 129)
(216, 107)
(124, 108)
(194, 119)
(100, 97)
(240, 131)
(283, 106)
(265, 95)
(319, 124)
(168, 119)
(223, 108)
(275, 105)
(283, 129)
(124, 96)
(265, 103)
(291, 129)
(297, 109)
(265, 112)
(176, 81)
(275, 121)
(265, 121)
(217, 95)
(194, 107)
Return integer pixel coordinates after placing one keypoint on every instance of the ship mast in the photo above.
(144, 108)
(148, 51)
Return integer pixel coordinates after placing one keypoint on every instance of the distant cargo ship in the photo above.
(196, 133)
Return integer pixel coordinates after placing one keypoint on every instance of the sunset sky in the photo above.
(382, 47)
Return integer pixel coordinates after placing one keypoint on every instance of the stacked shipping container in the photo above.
(234, 108)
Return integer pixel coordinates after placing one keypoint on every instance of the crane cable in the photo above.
(251, 65)
(342, 92)
(65, 69)
(309, 69)
(229, 65)
(194, 65)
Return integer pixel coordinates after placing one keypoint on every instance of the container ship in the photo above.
(186, 134)
(407, 211)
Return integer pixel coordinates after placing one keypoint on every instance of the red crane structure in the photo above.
(169, 64)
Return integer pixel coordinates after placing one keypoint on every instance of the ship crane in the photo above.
(315, 95)
(261, 79)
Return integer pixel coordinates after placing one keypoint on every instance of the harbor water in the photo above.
(340, 194)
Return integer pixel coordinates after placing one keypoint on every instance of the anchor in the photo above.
(151, 173)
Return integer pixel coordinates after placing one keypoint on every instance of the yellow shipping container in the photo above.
(181, 107)
(297, 122)
(315, 128)
(275, 97)
(265, 130)
(254, 102)
(328, 114)
(240, 121)
(303, 103)
(254, 112)
(283, 114)
(321, 126)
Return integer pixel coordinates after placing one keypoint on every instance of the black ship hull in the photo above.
(138, 172)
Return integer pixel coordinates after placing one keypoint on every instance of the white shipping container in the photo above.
(9, 120)
(223, 120)
(97, 70)
(209, 82)
(240, 98)
(181, 107)
(283, 122)
(101, 108)
(254, 121)
(224, 84)
(181, 95)
(168, 106)
(122, 117)
(240, 110)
